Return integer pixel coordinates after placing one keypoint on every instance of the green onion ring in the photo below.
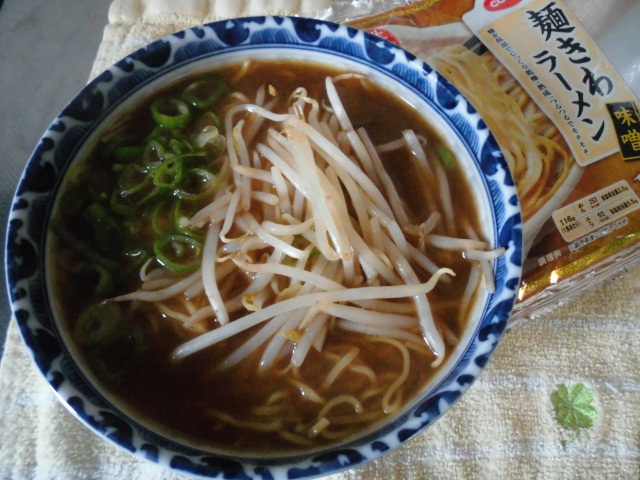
(169, 174)
(203, 177)
(170, 112)
(204, 93)
(179, 253)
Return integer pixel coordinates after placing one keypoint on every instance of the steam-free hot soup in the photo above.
(272, 256)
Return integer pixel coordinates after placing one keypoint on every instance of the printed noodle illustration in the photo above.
(543, 167)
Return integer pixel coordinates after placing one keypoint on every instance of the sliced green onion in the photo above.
(208, 119)
(157, 192)
(158, 134)
(193, 159)
(446, 156)
(154, 153)
(96, 213)
(204, 93)
(136, 186)
(105, 229)
(169, 112)
(180, 146)
(128, 152)
(197, 184)
(181, 221)
(104, 284)
(82, 248)
(98, 323)
(133, 179)
(120, 206)
(161, 219)
(169, 174)
(128, 206)
(179, 253)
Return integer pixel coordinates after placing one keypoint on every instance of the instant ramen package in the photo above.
(567, 123)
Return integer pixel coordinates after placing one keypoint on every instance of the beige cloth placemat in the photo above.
(503, 427)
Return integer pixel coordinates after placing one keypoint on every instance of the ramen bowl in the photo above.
(36, 290)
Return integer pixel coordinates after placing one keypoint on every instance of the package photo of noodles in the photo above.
(565, 119)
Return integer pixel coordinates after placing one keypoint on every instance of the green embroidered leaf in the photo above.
(573, 408)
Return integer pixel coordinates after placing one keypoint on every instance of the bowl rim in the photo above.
(70, 130)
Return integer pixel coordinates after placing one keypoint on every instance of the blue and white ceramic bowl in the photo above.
(202, 47)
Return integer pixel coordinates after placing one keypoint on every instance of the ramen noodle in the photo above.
(256, 244)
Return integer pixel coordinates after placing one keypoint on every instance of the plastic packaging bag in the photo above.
(343, 11)
(566, 120)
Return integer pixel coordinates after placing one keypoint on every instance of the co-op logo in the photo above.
(495, 5)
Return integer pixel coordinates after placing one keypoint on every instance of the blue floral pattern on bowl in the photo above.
(188, 50)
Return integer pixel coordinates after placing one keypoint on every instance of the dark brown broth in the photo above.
(178, 397)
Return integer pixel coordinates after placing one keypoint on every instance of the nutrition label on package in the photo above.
(596, 210)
